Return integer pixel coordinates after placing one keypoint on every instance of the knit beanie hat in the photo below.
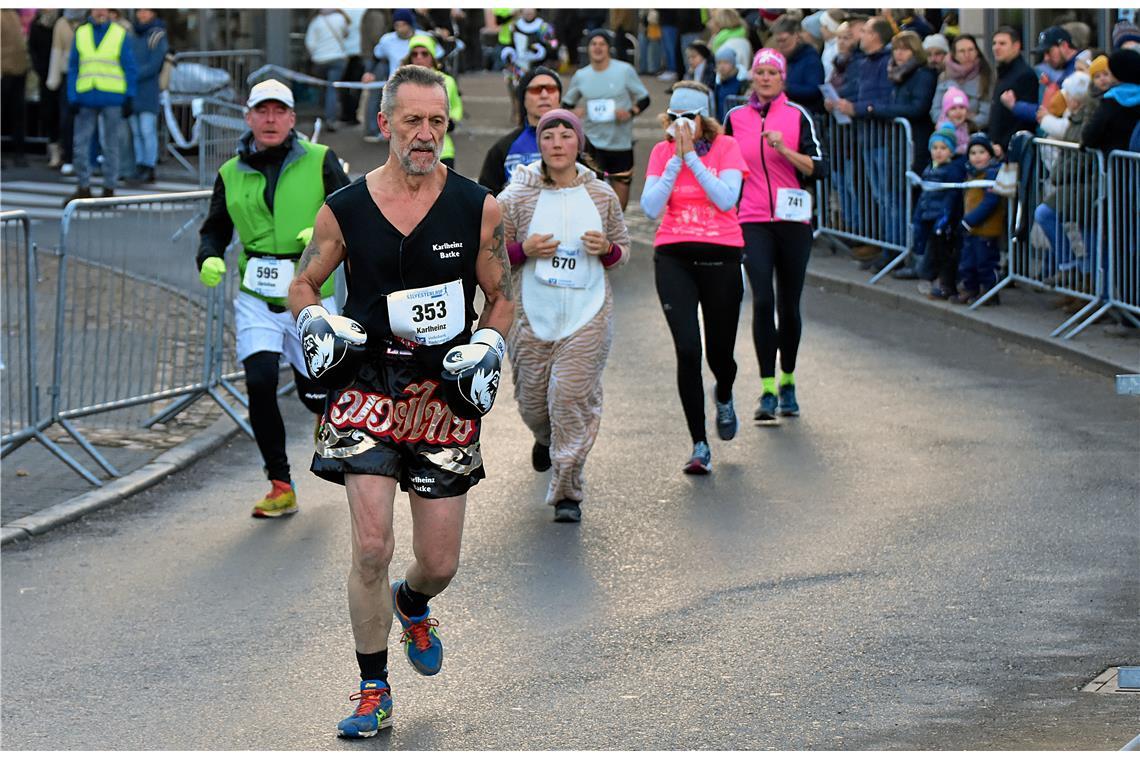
(525, 81)
(404, 14)
(945, 133)
(953, 98)
(936, 42)
(1124, 31)
(1125, 66)
(560, 115)
(726, 54)
(981, 138)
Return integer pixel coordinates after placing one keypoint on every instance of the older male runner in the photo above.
(417, 238)
(270, 193)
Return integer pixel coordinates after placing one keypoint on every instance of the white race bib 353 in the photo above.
(428, 316)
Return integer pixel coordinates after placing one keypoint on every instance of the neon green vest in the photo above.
(454, 112)
(298, 197)
(99, 67)
(503, 16)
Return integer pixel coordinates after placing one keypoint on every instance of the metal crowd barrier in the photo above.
(1122, 186)
(221, 125)
(221, 75)
(866, 198)
(1067, 253)
(19, 400)
(133, 327)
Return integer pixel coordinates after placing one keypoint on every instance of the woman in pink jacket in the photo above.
(782, 150)
(692, 184)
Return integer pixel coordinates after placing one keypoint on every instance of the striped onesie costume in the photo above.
(562, 333)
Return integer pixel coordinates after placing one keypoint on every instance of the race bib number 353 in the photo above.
(428, 316)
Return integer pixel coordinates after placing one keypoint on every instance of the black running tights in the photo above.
(265, 415)
(782, 248)
(689, 274)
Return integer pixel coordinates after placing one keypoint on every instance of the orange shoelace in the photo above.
(369, 700)
(417, 633)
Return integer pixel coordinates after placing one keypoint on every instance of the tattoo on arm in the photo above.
(311, 252)
(499, 251)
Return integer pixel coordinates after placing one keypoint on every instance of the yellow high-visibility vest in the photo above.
(99, 67)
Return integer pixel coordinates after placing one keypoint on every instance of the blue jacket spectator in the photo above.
(942, 205)
(914, 85)
(805, 67)
(96, 98)
(728, 81)
(150, 48)
(873, 86)
(805, 75)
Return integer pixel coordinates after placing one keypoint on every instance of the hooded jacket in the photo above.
(531, 207)
(150, 47)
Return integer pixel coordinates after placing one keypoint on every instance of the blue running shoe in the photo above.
(726, 420)
(767, 409)
(373, 712)
(421, 643)
(700, 463)
(788, 405)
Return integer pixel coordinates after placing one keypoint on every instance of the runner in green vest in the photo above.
(270, 193)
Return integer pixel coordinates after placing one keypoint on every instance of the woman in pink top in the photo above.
(692, 185)
(778, 140)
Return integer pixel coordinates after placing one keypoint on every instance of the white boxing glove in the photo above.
(482, 341)
(470, 376)
(326, 338)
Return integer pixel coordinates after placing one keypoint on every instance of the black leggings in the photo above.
(697, 273)
(782, 247)
(265, 415)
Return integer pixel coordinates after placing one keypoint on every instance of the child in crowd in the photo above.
(982, 226)
(937, 215)
(956, 110)
(1102, 78)
(728, 81)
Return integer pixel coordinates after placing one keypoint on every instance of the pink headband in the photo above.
(773, 58)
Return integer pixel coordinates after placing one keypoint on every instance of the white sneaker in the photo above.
(667, 76)
(373, 139)
(67, 170)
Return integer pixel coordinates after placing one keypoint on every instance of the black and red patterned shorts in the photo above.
(393, 421)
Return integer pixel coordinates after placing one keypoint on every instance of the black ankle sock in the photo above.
(373, 667)
(722, 397)
(412, 603)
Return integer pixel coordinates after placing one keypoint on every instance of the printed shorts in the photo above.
(392, 422)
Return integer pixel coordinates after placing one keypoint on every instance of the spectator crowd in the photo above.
(964, 98)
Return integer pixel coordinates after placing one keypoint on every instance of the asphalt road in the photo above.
(934, 556)
(938, 554)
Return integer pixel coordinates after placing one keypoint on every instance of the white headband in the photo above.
(689, 100)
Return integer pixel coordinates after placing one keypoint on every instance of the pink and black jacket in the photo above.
(768, 170)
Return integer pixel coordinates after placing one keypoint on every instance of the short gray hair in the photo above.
(409, 74)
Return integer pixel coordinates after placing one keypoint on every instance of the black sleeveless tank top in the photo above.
(443, 247)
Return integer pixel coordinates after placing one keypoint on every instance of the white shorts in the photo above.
(259, 329)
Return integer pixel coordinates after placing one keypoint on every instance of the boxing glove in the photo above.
(327, 339)
(471, 374)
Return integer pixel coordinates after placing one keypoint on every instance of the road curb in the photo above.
(164, 465)
(917, 304)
